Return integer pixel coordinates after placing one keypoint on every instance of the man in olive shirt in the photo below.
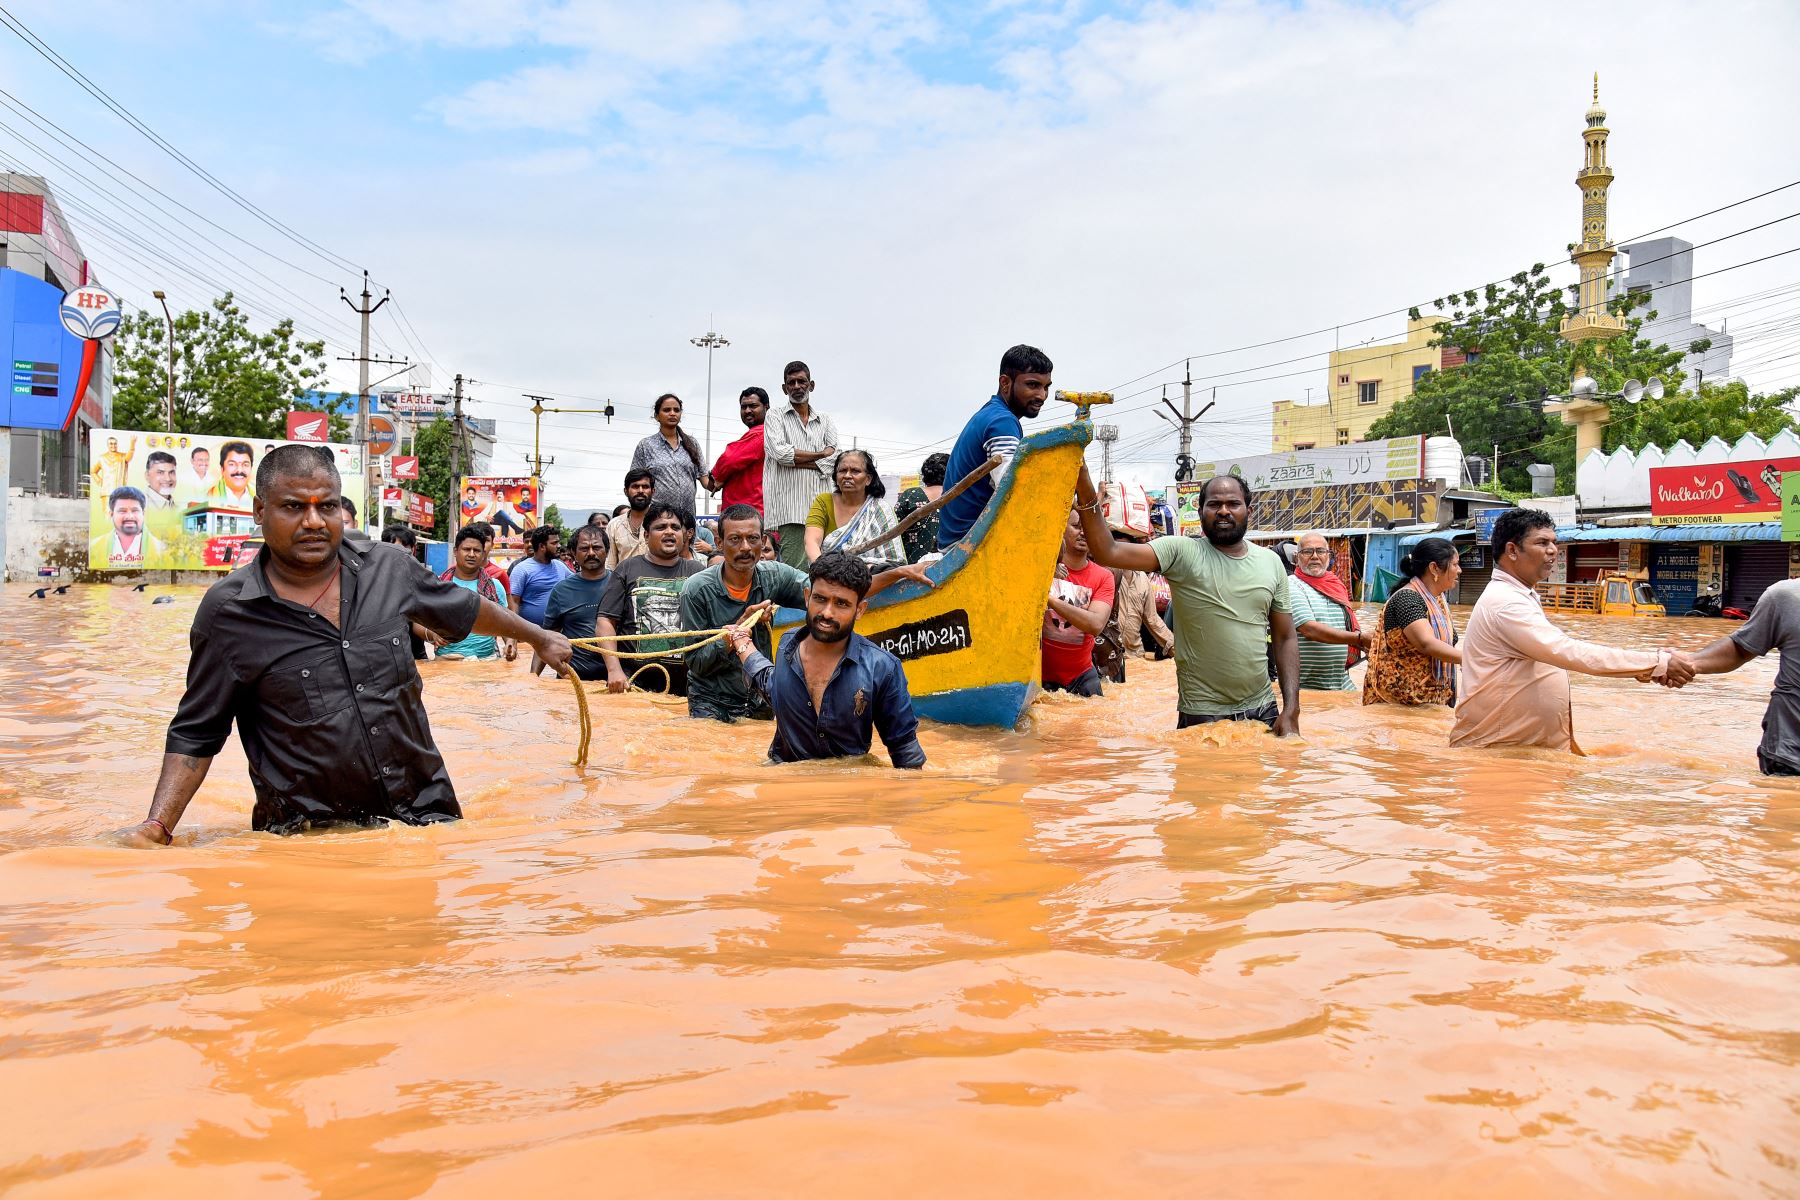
(305, 648)
(1228, 596)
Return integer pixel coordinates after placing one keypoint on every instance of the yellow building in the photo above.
(1363, 384)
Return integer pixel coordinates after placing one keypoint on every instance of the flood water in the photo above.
(1092, 958)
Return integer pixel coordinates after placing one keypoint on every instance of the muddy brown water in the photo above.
(1095, 957)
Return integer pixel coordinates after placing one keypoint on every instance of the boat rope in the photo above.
(605, 643)
(919, 514)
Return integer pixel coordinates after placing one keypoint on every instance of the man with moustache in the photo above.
(233, 489)
(626, 529)
(738, 475)
(725, 593)
(993, 432)
(574, 603)
(1229, 596)
(1516, 664)
(798, 469)
(831, 688)
(304, 649)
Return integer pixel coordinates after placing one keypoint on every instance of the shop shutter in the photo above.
(1588, 560)
(1477, 572)
(1750, 568)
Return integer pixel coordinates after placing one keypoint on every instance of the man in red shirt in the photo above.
(1081, 598)
(739, 471)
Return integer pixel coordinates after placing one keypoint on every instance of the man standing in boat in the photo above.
(993, 432)
(305, 650)
(1228, 595)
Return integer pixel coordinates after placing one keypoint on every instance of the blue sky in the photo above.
(561, 193)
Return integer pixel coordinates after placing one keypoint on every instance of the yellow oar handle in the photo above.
(1085, 399)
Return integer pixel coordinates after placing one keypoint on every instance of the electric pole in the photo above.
(1184, 420)
(456, 420)
(362, 361)
(710, 342)
(536, 457)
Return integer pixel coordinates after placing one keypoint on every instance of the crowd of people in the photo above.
(335, 733)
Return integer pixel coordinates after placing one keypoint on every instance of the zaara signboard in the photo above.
(1719, 493)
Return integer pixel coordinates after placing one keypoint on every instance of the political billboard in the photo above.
(1719, 493)
(510, 503)
(180, 501)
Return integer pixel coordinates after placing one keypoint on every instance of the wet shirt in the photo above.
(716, 686)
(532, 581)
(993, 432)
(1515, 671)
(332, 719)
(867, 693)
(1221, 613)
(1068, 653)
(1775, 625)
(571, 609)
(642, 597)
(1321, 663)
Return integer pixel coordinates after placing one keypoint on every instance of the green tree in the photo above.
(1727, 410)
(553, 518)
(229, 379)
(1517, 359)
(432, 445)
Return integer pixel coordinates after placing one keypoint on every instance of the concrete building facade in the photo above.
(1362, 385)
(1664, 267)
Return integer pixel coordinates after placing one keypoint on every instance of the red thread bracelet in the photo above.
(167, 836)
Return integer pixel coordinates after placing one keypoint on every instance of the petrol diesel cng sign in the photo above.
(1719, 493)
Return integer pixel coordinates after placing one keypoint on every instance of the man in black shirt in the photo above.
(305, 648)
(574, 602)
(643, 595)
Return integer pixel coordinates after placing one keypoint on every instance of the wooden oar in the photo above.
(918, 514)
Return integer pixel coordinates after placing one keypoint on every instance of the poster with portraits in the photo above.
(511, 504)
(182, 501)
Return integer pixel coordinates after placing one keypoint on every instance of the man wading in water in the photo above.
(306, 650)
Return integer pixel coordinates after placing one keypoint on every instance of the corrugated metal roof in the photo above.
(1751, 531)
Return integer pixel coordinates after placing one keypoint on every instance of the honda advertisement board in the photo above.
(308, 427)
(1719, 493)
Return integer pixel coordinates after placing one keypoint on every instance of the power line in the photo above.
(49, 54)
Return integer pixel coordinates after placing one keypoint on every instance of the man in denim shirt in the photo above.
(830, 687)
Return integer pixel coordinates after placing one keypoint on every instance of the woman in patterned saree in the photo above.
(852, 513)
(1413, 657)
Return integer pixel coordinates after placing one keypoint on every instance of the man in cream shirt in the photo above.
(1516, 664)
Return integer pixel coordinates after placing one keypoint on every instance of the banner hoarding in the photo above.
(510, 503)
(1719, 493)
(1360, 462)
(180, 501)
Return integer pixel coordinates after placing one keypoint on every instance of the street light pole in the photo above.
(712, 341)
(170, 322)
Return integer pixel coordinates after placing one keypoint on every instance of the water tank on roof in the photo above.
(1443, 460)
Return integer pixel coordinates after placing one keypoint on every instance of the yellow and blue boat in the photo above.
(971, 646)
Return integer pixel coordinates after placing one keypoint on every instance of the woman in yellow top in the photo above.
(852, 513)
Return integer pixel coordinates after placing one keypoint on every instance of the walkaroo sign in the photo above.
(1719, 493)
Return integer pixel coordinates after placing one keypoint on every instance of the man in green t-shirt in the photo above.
(1228, 597)
(722, 594)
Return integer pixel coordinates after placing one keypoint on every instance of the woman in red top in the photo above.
(739, 471)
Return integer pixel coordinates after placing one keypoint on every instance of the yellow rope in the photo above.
(598, 643)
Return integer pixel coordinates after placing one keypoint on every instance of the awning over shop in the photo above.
(1413, 538)
(1749, 531)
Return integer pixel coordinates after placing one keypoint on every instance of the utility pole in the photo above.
(456, 421)
(536, 457)
(710, 342)
(169, 320)
(362, 361)
(1184, 420)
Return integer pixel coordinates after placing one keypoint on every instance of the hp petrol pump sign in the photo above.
(91, 313)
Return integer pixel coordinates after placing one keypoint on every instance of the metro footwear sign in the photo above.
(308, 426)
(1719, 493)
